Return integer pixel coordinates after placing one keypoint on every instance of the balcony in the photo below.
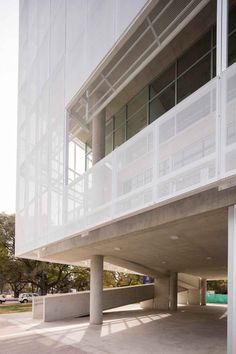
(190, 148)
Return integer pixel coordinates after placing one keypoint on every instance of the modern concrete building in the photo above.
(127, 142)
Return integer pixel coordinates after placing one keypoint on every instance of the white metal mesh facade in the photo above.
(186, 149)
(61, 43)
(228, 128)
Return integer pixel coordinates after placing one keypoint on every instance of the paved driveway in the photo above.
(191, 330)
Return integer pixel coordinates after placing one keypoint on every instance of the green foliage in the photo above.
(25, 275)
(15, 308)
(118, 279)
(219, 286)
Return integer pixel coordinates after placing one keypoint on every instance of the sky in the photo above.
(8, 102)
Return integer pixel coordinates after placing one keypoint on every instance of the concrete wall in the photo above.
(183, 297)
(61, 306)
(37, 307)
(194, 297)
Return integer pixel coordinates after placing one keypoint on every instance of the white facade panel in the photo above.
(92, 28)
(228, 101)
(187, 149)
(176, 154)
(61, 43)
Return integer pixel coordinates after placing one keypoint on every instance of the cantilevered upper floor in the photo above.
(161, 77)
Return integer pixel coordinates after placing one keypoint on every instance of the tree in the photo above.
(21, 274)
(219, 286)
(118, 279)
(11, 269)
(81, 278)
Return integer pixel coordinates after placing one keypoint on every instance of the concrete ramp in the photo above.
(188, 281)
(62, 306)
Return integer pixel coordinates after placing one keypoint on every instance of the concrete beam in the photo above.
(136, 267)
(204, 202)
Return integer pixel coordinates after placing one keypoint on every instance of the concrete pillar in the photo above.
(194, 296)
(203, 292)
(98, 136)
(96, 289)
(162, 290)
(231, 337)
(173, 291)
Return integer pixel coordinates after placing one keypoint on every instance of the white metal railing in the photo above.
(176, 154)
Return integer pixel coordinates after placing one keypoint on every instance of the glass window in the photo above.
(88, 146)
(119, 136)
(120, 117)
(193, 79)
(214, 35)
(214, 63)
(109, 127)
(137, 122)
(76, 159)
(194, 53)
(137, 102)
(232, 19)
(232, 49)
(108, 144)
(162, 81)
(89, 161)
(162, 103)
(89, 155)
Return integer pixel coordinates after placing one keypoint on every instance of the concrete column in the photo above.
(98, 136)
(173, 291)
(162, 290)
(231, 337)
(96, 289)
(203, 292)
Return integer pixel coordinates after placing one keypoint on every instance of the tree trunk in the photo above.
(44, 287)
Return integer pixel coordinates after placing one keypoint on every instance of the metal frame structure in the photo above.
(159, 42)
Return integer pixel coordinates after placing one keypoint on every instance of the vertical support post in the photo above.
(231, 338)
(224, 29)
(162, 290)
(203, 291)
(66, 147)
(221, 65)
(98, 137)
(221, 36)
(96, 290)
(66, 168)
(173, 291)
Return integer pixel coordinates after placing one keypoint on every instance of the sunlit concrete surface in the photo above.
(129, 329)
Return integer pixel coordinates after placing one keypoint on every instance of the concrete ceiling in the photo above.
(195, 245)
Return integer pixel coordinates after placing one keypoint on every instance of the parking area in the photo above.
(126, 330)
